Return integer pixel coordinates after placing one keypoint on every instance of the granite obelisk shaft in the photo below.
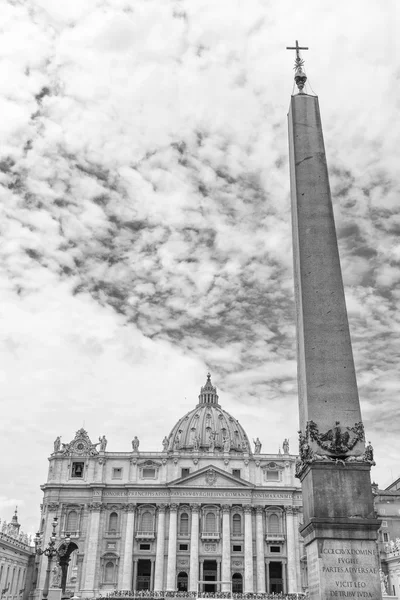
(339, 523)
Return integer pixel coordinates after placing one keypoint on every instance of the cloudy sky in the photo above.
(145, 217)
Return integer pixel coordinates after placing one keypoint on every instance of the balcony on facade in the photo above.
(145, 535)
(71, 534)
(210, 536)
(275, 537)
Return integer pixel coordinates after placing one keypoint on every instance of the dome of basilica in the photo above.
(208, 427)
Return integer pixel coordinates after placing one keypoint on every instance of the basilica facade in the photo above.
(208, 512)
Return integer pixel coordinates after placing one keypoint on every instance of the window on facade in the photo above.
(149, 473)
(210, 522)
(144, 546)
(236, 472)
(72, 521)
(185, 472)
(272, 475)
(183, 546)
(237, 524)
(273, 524)
(109, 572)
(147, 521)
(117, 473)
(385, 537)
(184, 524)
(237, 548)
(113, 522)
(384, 524)
(77, 469)
(274, 548)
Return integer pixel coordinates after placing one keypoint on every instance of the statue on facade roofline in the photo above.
(285, 446)
(165, 444)
(57, 444)
(135, 443)
(103, 443)
(257, 446)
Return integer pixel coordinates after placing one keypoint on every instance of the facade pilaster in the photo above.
(194, 549)
(91, 555)
(126, 571)
(171, 569)
(248, 551)
(260, 549)
(160, 550)
(291, 550)
(226, 547)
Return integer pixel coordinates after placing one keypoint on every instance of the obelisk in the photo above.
(340, 528)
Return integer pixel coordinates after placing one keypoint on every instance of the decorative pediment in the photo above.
(273, 465)
(149, 463)
(81, 445)
(210, 477)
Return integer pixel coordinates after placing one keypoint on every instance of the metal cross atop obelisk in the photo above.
(300, 77)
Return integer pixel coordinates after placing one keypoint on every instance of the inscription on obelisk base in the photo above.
(343, 569)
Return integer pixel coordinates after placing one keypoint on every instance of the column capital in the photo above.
(248, 509)
(195, 508)
(161, 508)
(289, 510)
(52, 506)
(96, 507)
(226, 508)
(259, 509)
(173, 507)
(130, 507)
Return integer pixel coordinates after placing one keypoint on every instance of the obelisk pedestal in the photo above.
(340, 528)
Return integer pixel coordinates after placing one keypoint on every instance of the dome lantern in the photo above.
(208, 392)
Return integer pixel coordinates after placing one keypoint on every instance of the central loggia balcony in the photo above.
(145, 535)
(275, 537)
(210, 536)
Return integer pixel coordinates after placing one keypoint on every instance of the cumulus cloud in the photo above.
(145, 221)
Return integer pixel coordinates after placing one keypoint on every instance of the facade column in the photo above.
(160, 550)
(135, 567)
(171, 568)
(126, 572)
(260, 549)
(194, 549)
(91, 554)
(152, 574)
(297, 546)
(291, 550)
(202, 574)
(248, 551)
(226, 547)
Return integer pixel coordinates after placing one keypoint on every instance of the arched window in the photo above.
(184, 524)
(210, 522)
(72, 521)
(237, 524)
(237, 583)
(273, 524)
(147, 521)
(113, 522)
(182, 582)
(109, 572)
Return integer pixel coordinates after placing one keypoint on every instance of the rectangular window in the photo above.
(236, 472)
(385, 537)
(185, 472)
(149, 473)
(183, 546)
(274, 548)
(384, 524)
(117, 473)
(144, 546)
(237, 548)
(77, 469)
(272, 475)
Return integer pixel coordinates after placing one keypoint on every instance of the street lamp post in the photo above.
(50, 551)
